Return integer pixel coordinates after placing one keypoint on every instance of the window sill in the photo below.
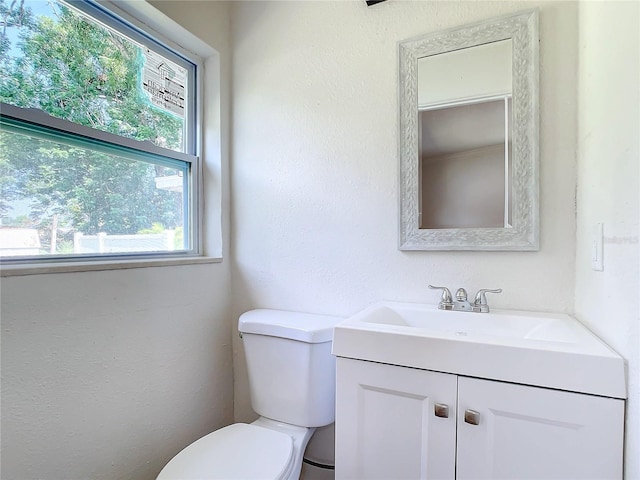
(98, 265)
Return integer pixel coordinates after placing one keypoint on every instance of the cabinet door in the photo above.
(386, 426)
(530, 432)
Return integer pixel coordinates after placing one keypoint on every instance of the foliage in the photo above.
(76, 70)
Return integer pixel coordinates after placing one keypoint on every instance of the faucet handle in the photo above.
(480, 302)
(446, 302)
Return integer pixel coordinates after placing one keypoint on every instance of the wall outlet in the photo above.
(597, 248)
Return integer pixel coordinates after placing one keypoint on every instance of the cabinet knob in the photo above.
(472, 417)
(441, 410)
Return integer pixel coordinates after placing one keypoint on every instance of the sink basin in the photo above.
(532, 348)
(496, 324)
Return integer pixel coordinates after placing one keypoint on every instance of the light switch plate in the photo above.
(597, 248)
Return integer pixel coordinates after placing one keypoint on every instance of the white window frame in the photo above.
(148, 22)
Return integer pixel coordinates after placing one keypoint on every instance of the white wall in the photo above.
(109, 374)
(315, 165)
(608, 161)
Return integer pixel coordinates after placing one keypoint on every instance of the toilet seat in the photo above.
(239, 451)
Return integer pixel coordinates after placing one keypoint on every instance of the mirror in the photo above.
(469, 137)
(464, 117)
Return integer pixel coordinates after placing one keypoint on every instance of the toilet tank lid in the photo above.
(304, 327)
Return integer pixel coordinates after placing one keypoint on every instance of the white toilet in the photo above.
(292, 383)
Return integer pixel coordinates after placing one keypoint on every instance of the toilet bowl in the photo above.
(261, 450)
(292, 383)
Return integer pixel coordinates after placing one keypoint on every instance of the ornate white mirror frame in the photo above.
(522, 234)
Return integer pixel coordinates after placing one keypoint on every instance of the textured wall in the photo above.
(107, 375)
(315, 165)
(608, 172)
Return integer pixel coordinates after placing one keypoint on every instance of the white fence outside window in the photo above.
(103, 243)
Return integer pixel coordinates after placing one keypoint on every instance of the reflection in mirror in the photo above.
(468, 125)
(465, 166)
(464, 101)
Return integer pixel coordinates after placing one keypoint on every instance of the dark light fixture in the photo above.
(373, 2)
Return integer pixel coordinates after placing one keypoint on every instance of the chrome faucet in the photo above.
(461, 303)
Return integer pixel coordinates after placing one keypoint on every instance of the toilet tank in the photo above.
(290, 366)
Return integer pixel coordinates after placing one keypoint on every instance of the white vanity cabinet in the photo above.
(396, 422)
(385, 422)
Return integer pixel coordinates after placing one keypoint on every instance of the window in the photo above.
(98, 138)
